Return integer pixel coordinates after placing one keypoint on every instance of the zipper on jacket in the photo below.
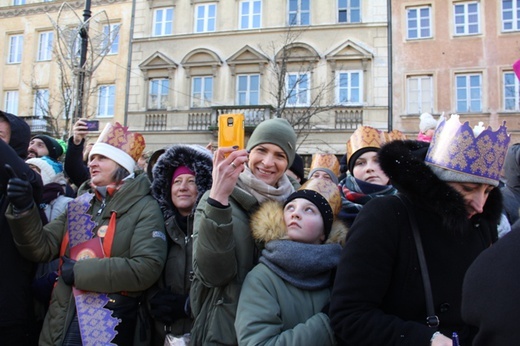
(103, 205)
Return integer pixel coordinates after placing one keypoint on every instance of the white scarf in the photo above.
(262, 191)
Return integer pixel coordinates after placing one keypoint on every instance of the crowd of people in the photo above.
(399, 242)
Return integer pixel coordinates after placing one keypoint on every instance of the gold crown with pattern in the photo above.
(369, 137)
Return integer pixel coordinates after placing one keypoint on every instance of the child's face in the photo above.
(303, 221)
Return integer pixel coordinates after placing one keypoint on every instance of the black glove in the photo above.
(167, 307)
(67, 270)
(19, 191)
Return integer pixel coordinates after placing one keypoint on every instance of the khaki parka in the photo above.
(137, 256)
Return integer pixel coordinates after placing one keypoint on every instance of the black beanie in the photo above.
(54, 148)
(297, 168)
(356, 155)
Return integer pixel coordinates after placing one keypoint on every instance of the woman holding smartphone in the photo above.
(224, 250)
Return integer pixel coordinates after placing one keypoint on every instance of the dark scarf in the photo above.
(52, 191)
(356, 193)
(306, 266)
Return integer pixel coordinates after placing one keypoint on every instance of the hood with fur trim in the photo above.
(267, 224)
(403, 162)
(195, 157)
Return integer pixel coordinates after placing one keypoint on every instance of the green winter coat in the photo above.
(137, 257)
(272, 311)
(224, 251)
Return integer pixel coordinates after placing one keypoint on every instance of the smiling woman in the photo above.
(224, 250)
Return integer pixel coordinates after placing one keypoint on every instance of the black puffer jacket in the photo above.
(378, 296)
(178, 269)
(16, 308)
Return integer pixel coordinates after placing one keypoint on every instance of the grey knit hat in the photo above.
(276, 131)
(332, 175)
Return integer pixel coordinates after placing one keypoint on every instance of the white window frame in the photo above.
(106, 101)
(419, 94)
(45, 43)
(510, 16)
(162, 25)
(111, 36)
(11, 101)
(250, 16)
(248, 94)
(511, 92)
(158, 92)
(41, 103)
(348, 88)
(468, 93)
(351, 9)
(417, 23)
(205, 21)
(465, 21)
(299, 16)
(296, 94)
(201, 97)
(15, 49)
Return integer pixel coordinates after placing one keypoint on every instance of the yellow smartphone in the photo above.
(231, 130)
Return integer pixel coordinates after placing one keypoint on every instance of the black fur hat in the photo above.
(195, 157)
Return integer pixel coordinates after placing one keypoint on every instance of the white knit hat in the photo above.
(427, 122)
(49, 168)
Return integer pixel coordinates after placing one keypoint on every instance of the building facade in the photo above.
(456, 57)
(40, 63)
(323, 65)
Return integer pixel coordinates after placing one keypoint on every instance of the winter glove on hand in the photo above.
(167, 306)
(67, 270)
(19, 191)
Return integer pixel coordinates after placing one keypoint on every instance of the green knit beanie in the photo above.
(276, 131)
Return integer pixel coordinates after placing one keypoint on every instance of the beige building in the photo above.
(455, 57)
(321, 64)
(34, 86)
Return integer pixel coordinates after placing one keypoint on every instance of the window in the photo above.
(469, 93)
(298, 89)
(511, 92)
(11, 102)
(299, 12)
(45, 46)
(106, 101)
(158, 93)
(510, 15)
(15, 49)
(201, 91)
(163, 22)
(419, 94)
(467, 18)
(111, 38)
(205, 17)
(349, 87)
(250, 14)
(418, 22)
(41, 103)
(349, 11)
(248, 89)
(18, 2)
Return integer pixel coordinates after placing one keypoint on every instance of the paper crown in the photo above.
(479, 152)
(119, 144)
(327, 189)
(369, 137)
(323, 160)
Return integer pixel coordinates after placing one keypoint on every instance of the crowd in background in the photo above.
(401, 241)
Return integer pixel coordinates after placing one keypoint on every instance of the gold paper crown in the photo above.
(327, 189)
(369, 137)
(478, 152)
(118, 136)
(323, 160)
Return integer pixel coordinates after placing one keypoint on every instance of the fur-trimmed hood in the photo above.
(195, 157)
(267, 224)
(403, 162)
